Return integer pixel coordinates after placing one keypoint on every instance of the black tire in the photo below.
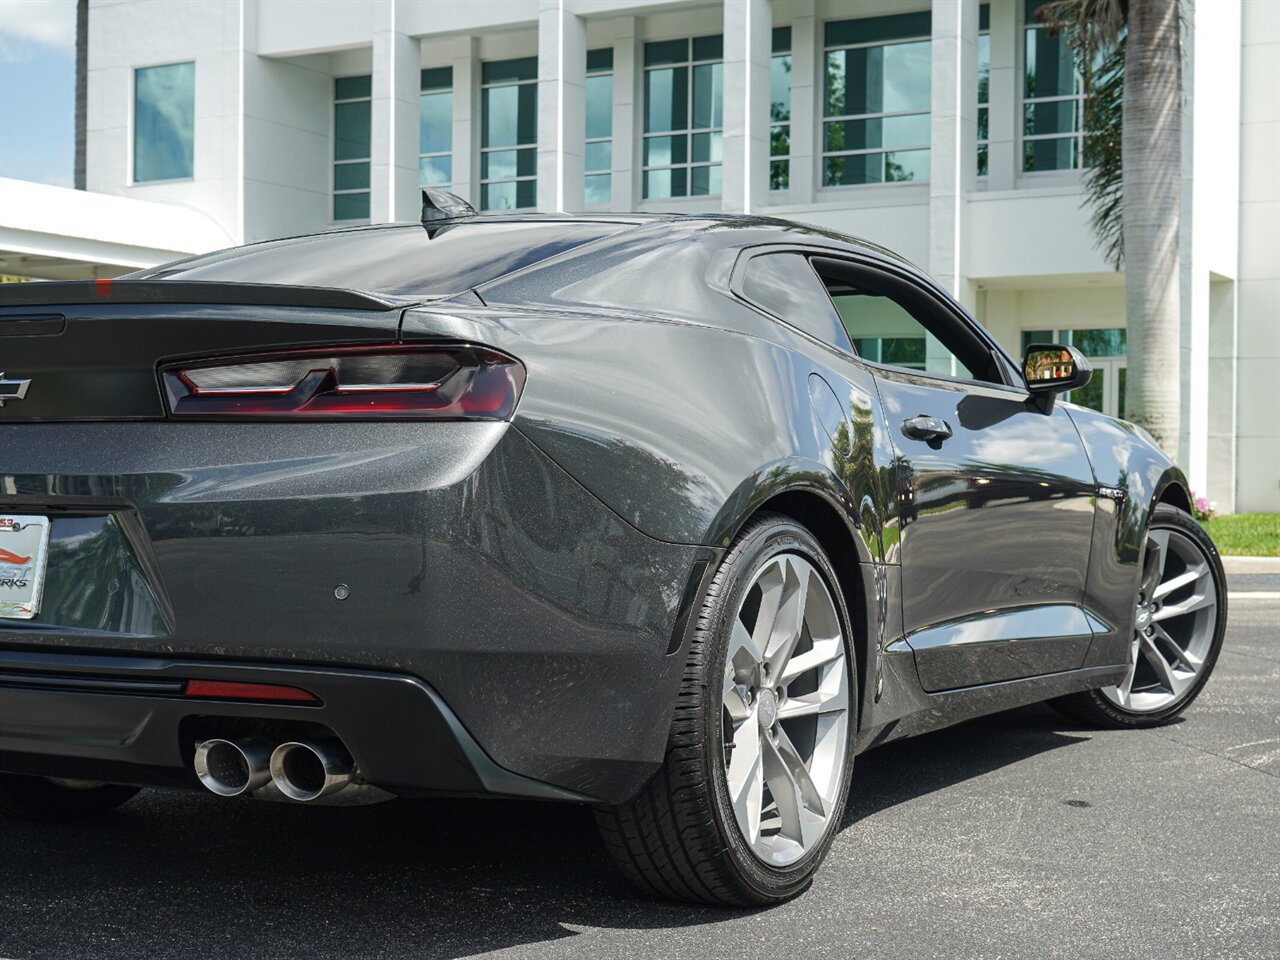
(1093, 708)
(36, 798)
(679, 839)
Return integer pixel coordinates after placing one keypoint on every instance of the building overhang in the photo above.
(56, 233)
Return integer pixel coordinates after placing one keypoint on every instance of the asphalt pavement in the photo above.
(1018, 835)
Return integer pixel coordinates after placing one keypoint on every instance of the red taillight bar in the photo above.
(235, 690)
(369, 382)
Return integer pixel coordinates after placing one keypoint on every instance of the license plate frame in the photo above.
(24, 554)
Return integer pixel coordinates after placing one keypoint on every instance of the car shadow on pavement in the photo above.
(188, 874)
(906, 769)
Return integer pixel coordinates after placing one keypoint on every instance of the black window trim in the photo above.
(878, 268)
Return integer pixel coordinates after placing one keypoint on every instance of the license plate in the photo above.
(24, 544)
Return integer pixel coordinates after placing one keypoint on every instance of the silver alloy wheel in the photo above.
(785, 706)
(1176, 620)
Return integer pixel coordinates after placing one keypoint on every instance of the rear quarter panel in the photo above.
(684, 428)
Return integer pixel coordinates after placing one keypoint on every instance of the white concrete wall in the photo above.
(128, 34)
(1258, 283)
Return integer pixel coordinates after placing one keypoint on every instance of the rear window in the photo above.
(399, 261)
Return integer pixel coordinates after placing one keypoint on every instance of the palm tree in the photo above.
(1130, 52)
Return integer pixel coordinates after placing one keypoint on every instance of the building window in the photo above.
(1053, 99)
(877, 94)
(984, 85)
(351, 125)
(435, 128)
(683, 117)
(780, 110)
(509, 134)
(598, 161)
(164, 122)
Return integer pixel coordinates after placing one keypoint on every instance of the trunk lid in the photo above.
(89, 350)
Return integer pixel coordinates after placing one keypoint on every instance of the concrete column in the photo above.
(806, 102)
(1003, 162)
(953, 138)
(1211, 194)
(464, 57)
(393, 193)
(562, 103)
(748, 27)
(626, 107)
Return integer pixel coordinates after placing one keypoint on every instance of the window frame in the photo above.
(1023, 101)
(878, 273)
(423, 90)
(776, 54)
(515, 148)
(823, 119)
(133, 121)
(982, 145)
(587, 140)
(690, 63)
(334, 162)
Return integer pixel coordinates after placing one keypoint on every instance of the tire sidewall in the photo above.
(760, 545)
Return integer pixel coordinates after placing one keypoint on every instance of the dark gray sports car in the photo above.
(669, 515)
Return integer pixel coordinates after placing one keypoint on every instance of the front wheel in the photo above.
(757, 769)
(1179, 622)
(38, 798)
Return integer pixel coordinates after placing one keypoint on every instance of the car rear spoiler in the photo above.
(46, 294)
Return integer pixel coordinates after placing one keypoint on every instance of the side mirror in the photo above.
(1052, 368)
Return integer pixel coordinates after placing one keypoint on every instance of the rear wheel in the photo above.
(1180, 619)
(38, 798)
(757, 770)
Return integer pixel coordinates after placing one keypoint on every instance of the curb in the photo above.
(1251, 564)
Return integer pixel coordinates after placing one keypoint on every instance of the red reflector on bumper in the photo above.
(231, 690)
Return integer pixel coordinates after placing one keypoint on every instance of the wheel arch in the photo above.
(1176, 493)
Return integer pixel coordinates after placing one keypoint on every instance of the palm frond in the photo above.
(1103, 155)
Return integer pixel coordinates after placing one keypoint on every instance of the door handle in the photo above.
(927, 428)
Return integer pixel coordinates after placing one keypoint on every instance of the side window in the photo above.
(785, 285)
(890, 322)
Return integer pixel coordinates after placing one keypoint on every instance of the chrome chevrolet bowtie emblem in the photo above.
(12, 389)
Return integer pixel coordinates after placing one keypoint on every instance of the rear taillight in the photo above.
(375, 383)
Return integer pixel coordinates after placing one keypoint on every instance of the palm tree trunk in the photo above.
(1152, 146)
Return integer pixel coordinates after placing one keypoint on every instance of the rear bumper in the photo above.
(126, 720)
(477, 572)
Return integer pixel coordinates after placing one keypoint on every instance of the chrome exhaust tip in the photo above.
(230, 768)
(309, 771)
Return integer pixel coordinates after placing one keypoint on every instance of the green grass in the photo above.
(1246, 534)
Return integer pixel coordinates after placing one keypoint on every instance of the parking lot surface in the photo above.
(1018, 835)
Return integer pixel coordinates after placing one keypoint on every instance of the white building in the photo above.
(947, 130)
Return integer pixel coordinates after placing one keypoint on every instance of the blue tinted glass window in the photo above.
(352, 114)
(509, 120)
(435, 128)
(1053, 97)
(683, 95)
(164, 122)
(877, 100)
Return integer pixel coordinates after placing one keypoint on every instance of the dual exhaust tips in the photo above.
(300, 770)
